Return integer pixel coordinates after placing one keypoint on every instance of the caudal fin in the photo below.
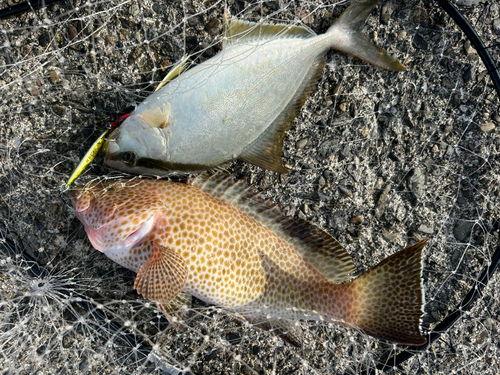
(391, 297)
(346, 36)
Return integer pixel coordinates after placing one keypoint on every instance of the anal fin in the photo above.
(265, 151)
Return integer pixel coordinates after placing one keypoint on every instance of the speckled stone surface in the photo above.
(378, 159)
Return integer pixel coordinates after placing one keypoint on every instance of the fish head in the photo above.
(138, 148)
(118, 216)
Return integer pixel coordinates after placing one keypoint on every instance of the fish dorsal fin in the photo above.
(163, 276)
(237, 31)
(315, 245)
(265, 151)
(157, 117)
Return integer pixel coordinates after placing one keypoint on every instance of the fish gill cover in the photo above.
(378, 159)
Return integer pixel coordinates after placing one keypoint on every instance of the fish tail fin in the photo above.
(346, 36)
(390, 298)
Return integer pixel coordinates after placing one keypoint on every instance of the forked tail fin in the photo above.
(390, 297)
(346, 36)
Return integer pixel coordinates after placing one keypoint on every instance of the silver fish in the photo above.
(239, 103)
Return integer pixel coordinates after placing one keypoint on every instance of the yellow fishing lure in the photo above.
(96, 147)
(87, 159)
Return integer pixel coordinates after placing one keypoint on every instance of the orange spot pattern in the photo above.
(232, 260)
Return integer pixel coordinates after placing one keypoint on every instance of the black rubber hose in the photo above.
(450, 319)
(476, 41)
(488, 271)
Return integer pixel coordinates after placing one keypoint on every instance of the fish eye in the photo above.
(129, 157)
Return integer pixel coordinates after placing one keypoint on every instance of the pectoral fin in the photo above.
(163, 276)
(157, 117)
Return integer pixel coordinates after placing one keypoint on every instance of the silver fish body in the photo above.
(240, 103)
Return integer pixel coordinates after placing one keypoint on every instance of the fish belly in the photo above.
(224, 104)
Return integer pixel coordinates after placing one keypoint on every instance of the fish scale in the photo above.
(181, 239)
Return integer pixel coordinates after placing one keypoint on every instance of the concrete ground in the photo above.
(378, 159)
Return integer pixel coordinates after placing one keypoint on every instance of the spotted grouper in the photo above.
(239, 103)
(216, 240)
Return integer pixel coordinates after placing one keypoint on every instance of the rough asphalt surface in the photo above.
(378, 159)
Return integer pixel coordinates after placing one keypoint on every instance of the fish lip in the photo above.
(104, 148)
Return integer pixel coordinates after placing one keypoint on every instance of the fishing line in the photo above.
(473, 294)
(34, 269)
(109, 83)
(476, 41)
(24, 7)
(488, 271)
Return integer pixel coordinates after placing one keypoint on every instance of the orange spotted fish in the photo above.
(214, 239)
